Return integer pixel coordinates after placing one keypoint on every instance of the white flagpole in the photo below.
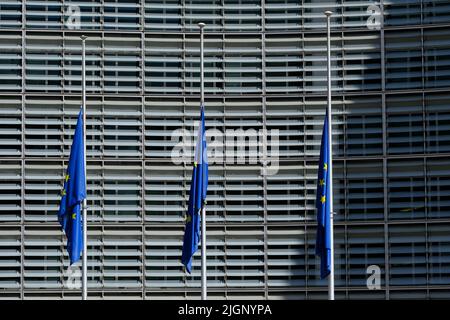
(330, 152)
(83, 84)
(202, 102)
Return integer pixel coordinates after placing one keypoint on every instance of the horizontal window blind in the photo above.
(407, 255)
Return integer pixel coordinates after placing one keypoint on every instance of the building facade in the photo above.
(265, 70)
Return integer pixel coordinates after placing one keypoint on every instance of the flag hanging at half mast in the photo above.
(197, 196)
(323, 196)
(69, 215)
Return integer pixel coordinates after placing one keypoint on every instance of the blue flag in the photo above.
(323, 239)
(197, 196)
(69, 215)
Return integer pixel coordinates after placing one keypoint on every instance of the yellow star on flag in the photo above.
(67, 177)
(74, 215)
(188, 218)
(322, 199)
(63, 192)
(325, 166)
(322, 182)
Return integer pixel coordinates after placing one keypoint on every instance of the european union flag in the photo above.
(323, 239)
(74, 192)
(197, 196)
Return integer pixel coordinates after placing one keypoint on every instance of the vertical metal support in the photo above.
(22, 155)
(202, 70)
(264, 148)
(83, 86)
(142, 59)
(202, 102)
(330, 152)
(385, 168)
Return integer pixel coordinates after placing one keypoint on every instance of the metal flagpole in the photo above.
(202, 103)
(83, 84)
(330, 152)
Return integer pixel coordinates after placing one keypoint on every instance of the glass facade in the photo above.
(265, 68)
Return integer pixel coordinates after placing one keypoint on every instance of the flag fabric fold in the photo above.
(323, 236)
(197, 196)
(69, 215)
